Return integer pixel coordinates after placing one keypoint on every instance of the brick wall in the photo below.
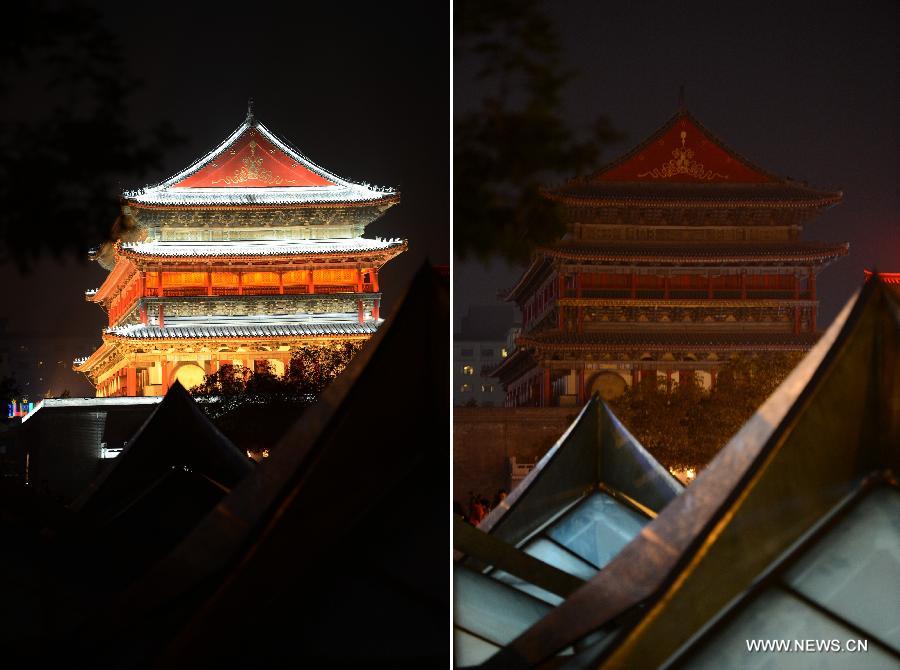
(485, 437)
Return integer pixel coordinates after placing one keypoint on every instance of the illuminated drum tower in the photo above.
(244, 257)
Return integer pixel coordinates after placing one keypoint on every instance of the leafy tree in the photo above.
(688, 426)
(255, 407)
(508, 147)
(65, 139)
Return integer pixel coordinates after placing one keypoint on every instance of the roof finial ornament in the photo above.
(681, 105)
(250, 110)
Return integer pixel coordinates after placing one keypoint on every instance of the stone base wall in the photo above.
(484, 438)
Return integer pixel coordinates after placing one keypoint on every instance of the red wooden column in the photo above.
(560, 294)
(376, 309)
(209, 283)
(811, 283)
(633, 285)
(131, 381)
(375, 280)
(743, 284)
(359, 280)
(548, 390)
(360, 311)
(709, 285)
(240, 283)
(281, 283)
(310, 284)
(666, 287)
(159, 286)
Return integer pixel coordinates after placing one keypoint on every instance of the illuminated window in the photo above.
(503, 353)
(295, 277)
(465, 388)
(468, 370)
(334, 276)
(184, 278)
(260, 279)
(224, 279)
(487, 388)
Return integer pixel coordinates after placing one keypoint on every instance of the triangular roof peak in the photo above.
(253, 157)
(683, 150)
(254, 166)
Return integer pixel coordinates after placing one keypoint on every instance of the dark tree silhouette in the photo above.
(516, 139)
(65, 138)
(688, 426)
(254, 408)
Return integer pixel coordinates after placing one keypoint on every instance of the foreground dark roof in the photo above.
(176, 436)
(340, 531)
(586, 499)
(828, 430)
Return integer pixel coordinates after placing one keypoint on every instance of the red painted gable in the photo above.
(683, 152)
(252, 161)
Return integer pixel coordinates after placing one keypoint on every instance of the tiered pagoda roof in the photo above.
(683, 165)
(255, 168)
(239, 249)
(248, 328)
(665, 341)
(701, 252)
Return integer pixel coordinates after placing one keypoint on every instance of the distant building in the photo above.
(63, 443)
(478, 348)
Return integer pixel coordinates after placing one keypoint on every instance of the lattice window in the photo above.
(224, 279)
(260, 279)
(295, 277)
(340, 276)
(184, 279)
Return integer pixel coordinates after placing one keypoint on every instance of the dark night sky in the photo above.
(361, 89)
(803, 89)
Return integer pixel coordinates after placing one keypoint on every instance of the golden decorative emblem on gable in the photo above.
(253, 170)
(683, 163)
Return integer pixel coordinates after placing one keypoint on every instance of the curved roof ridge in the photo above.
(682, 114)
(252, 123)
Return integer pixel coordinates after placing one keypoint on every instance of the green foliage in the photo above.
(310, 370)
(254, 408)
(688, 426)
(516, 138)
